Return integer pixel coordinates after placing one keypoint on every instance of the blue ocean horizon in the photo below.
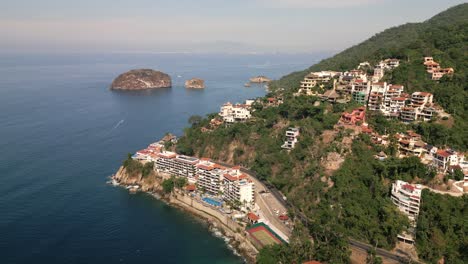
(63, 132)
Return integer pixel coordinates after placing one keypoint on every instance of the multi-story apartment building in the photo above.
(210, 176)
(379, 72)
(395, 106)
(177, 165)
(316, 78)
(420, 108)
(392, 101)
(376, 96)
(235, 113)
(419, 99)
(359, 90)
(407, 197)
(238, 188)
(291, 138)
(165, 162)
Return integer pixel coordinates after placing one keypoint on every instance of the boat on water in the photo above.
(247, 84)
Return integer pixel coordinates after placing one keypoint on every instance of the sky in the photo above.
(202, 25)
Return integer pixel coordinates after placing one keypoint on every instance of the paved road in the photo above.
(265, 207)
(353, 243)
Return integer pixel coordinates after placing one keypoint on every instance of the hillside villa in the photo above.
(407, 197)
(291, 138)
(435, 70)
(231, 113)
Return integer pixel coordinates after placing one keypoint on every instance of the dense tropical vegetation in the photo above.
(135, 167)
(353, 200)
(442, 229)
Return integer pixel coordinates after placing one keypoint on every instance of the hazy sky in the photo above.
(202, 25)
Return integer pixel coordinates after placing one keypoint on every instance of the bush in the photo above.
(168, 185)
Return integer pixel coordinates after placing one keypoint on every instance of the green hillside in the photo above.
(444, 37)
(352, 199)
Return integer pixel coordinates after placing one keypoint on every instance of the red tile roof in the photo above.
(234, 178)
(431, 63)
(283, 217)
(167, 155)
(218, 166)
(408, 187)
(412, 133)
(205, 167)
(191, 187)
(443, 153)
(253, 217)
(422, 93)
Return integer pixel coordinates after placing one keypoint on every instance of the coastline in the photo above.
(232, 233)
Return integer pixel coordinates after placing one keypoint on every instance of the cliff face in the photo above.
(141, 79)
(149, 183)
(195, 83)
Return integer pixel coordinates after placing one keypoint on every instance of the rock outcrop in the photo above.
(195, 83)
(141, 79)
(260, 79)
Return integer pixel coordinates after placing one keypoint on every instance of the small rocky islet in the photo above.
(260, 79)
(195, 83)
(141, 79)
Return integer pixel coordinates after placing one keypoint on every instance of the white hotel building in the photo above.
(177, 165)
(291, 138)
(210, 176)
(235, 113)
(238, 187)
(407, 197)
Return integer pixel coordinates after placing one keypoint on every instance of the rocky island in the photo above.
(260, 79)
(141, 79)
(195, 83)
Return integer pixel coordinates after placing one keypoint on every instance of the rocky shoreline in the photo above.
(151, 184)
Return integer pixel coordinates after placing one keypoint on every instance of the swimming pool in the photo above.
(212, 201)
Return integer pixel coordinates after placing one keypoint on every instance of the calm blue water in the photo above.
(62, 132)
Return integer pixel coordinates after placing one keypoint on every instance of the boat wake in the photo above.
(118, 124)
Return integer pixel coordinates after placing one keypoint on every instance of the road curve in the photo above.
(353, 243)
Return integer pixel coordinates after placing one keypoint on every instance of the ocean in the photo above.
(63, 132)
